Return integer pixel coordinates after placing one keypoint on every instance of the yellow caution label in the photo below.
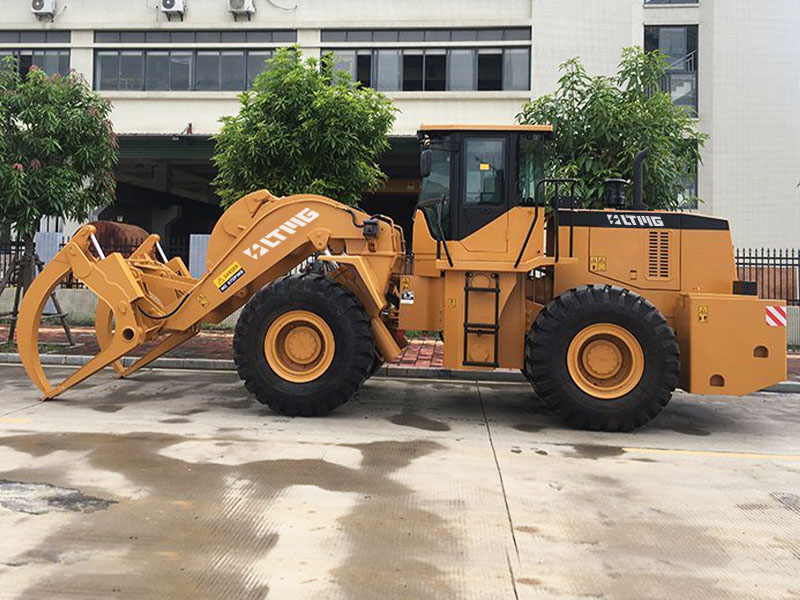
(229, 276)
(597, 263)
(484, 166)
(702, 313)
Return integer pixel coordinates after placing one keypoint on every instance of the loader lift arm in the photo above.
(259, 239)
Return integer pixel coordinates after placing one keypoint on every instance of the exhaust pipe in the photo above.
(638, 180)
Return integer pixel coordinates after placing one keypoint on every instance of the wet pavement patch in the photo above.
(528, 427)
(41, 498)
(412, 419)
(189, 412)
(595, 451)
(107, 408)
(788, 501)
(186, 533)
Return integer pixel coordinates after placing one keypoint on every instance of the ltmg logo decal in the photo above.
(624, 220)
(276, 236)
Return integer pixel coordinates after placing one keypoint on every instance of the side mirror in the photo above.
(425, 162)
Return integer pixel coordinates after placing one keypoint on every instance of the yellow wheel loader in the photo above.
(605, 311)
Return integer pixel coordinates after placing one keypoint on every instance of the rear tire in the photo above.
(602, 358)
(343, 331)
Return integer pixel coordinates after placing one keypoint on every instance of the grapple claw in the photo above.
(114, 284)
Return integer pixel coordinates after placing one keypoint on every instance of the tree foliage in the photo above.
(304, 128)
(57, 148)
(601, 123)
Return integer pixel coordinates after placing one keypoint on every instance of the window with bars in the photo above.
(223, 36)
(427, 35)
(35, 36)
(51, 61)
(679, 44)
(437, 69)
(178, 70)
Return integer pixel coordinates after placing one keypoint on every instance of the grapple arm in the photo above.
(257, 240)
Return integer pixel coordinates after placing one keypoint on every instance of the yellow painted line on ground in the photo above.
(716, 454)
(18, 421)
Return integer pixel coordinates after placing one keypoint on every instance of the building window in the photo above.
(278, 36)
(679, 44)
(461, 70)
(437, 69)
(178, 70)
(49, 36)
(427, 35)
(413, 68)
(650, 2)
(52, 62)
(490, 69)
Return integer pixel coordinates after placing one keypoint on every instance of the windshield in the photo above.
(531, 166)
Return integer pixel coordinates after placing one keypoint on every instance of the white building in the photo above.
(171, 76)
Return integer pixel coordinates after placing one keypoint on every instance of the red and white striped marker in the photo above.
(776, 316)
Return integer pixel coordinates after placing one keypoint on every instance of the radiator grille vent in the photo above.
(658, 255)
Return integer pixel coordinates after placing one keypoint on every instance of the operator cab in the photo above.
(473, 174)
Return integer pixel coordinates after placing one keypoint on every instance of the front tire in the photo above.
(303, 345)
(602, 358)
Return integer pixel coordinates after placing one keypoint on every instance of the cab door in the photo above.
(484, 183)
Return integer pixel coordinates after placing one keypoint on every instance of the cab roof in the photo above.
(519, 128)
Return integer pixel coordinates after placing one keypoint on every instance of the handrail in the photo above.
(688, 60)
(554, 205)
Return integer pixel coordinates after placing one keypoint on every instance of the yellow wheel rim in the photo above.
(299, 346)
(605, 361)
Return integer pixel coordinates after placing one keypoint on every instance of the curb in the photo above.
(784, 387)
(388, 371)
(77, 360)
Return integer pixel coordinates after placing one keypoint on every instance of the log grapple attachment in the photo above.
(147, 298)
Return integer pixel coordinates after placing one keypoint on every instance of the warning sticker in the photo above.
(776, 316)
(407, 297)
(229, 276)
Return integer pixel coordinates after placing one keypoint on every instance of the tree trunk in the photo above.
(28, 267)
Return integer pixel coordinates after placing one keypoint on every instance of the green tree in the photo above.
(601, 123)
(305, 127)
(57, 149)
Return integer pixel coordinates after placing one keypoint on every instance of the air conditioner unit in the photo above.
(43, 8)
(242, 7)
(173, 7)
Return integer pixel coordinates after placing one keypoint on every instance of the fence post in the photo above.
(198, 245)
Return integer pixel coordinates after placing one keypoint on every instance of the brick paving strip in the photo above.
(210, 349)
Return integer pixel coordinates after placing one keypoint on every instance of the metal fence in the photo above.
(9, 250)
(776, 273)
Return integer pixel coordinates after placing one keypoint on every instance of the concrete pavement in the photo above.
(176, 484)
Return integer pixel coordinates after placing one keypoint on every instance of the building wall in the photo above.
(754, 120)
(749, 93)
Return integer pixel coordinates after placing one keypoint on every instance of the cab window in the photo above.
(484, 164)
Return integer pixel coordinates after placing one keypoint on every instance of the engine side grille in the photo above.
(658, 255)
